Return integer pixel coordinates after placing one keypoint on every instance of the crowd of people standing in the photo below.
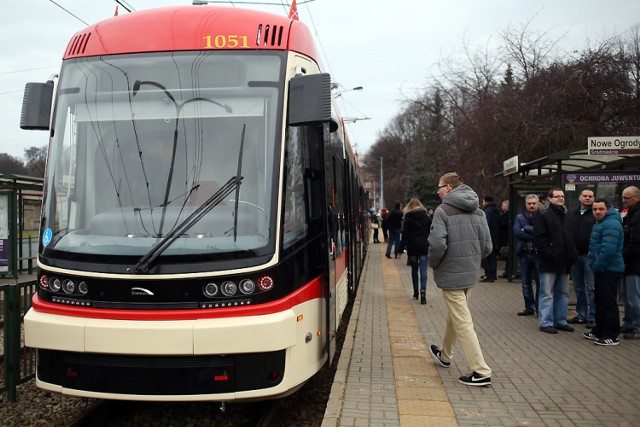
(594, 244)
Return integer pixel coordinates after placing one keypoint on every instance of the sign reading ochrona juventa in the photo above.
(613, 145)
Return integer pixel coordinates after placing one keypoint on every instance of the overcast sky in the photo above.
(391, 48)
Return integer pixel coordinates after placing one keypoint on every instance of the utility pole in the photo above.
(381, 184)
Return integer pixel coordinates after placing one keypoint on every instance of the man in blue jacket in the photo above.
(605, 259)
(526, 251)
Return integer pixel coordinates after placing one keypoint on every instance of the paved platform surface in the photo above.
(387, 377)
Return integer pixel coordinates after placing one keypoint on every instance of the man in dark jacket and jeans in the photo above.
(459, 239)
(631, 254)
(490, 263)
(526, 251)
(581, 222)
(394, 224)
(557, 253)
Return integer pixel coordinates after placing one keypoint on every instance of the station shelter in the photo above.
(572, 170)
(20, 206)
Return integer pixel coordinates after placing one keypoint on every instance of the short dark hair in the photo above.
(603, 200)
(550, 192)
(489, 199)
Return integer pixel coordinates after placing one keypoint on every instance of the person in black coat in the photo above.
(490, 263)
(581, 221)
(631, 254)
(415, 235)
(557, 253)
(394, 224)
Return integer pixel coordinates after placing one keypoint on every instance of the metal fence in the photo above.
(18, 362)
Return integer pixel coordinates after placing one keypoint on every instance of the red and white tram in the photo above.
(204, 219)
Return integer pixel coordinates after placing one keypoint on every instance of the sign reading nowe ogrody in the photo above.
(613, 145)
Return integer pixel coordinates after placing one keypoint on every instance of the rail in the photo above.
(18, 361)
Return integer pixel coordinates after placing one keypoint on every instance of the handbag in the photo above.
(374, 225)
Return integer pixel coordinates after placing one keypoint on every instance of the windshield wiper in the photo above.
(145, 262)
(238, 173)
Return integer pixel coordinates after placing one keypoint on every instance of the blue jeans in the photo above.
(394, 239)
(423, 265)
(630, 292)
(529, 271)
(583, 285)
(554, 299)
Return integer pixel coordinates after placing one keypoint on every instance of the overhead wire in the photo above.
(70, 13)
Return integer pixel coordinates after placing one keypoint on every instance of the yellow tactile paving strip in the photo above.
(422, 399)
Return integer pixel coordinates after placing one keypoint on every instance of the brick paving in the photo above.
(387, 377)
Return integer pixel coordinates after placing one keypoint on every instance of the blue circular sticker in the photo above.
(46, 236)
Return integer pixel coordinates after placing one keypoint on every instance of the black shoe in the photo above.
(589, 325)
(607, 341)
(576, 320)
(415, 293)
(423, 298)
(590, 336)
(565, 328)
(388, 256)
(548, 329)
(626, 329)
(487, 280)
(475, 379)
(437, 352)
(526, 312)
(631, 336)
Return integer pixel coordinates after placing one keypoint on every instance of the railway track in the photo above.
(129, 413)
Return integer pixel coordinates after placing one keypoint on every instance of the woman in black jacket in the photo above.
(415, 235)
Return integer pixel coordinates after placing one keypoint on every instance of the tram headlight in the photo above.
(55, 284)
(68, 286)
(247, 286)
(228, 288)
(83, 288)
(210, 290)
(265, 283)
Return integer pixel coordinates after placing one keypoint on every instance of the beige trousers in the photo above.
(460, 328)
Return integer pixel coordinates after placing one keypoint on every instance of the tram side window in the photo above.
(294, 224)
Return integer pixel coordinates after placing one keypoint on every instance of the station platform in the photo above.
(386, 375)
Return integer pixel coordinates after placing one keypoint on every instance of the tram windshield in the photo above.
(141, 141)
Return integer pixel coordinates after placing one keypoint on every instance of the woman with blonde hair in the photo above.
(415, 235)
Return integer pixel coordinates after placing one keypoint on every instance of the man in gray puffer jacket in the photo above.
(458, 241)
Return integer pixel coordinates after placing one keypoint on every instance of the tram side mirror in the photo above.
(310, 99)
(36, 106)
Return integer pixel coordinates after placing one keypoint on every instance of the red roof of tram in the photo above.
(192, 28)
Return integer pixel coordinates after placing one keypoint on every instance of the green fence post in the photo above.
(12, 340)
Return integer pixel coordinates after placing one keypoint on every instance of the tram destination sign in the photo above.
(613, 145)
